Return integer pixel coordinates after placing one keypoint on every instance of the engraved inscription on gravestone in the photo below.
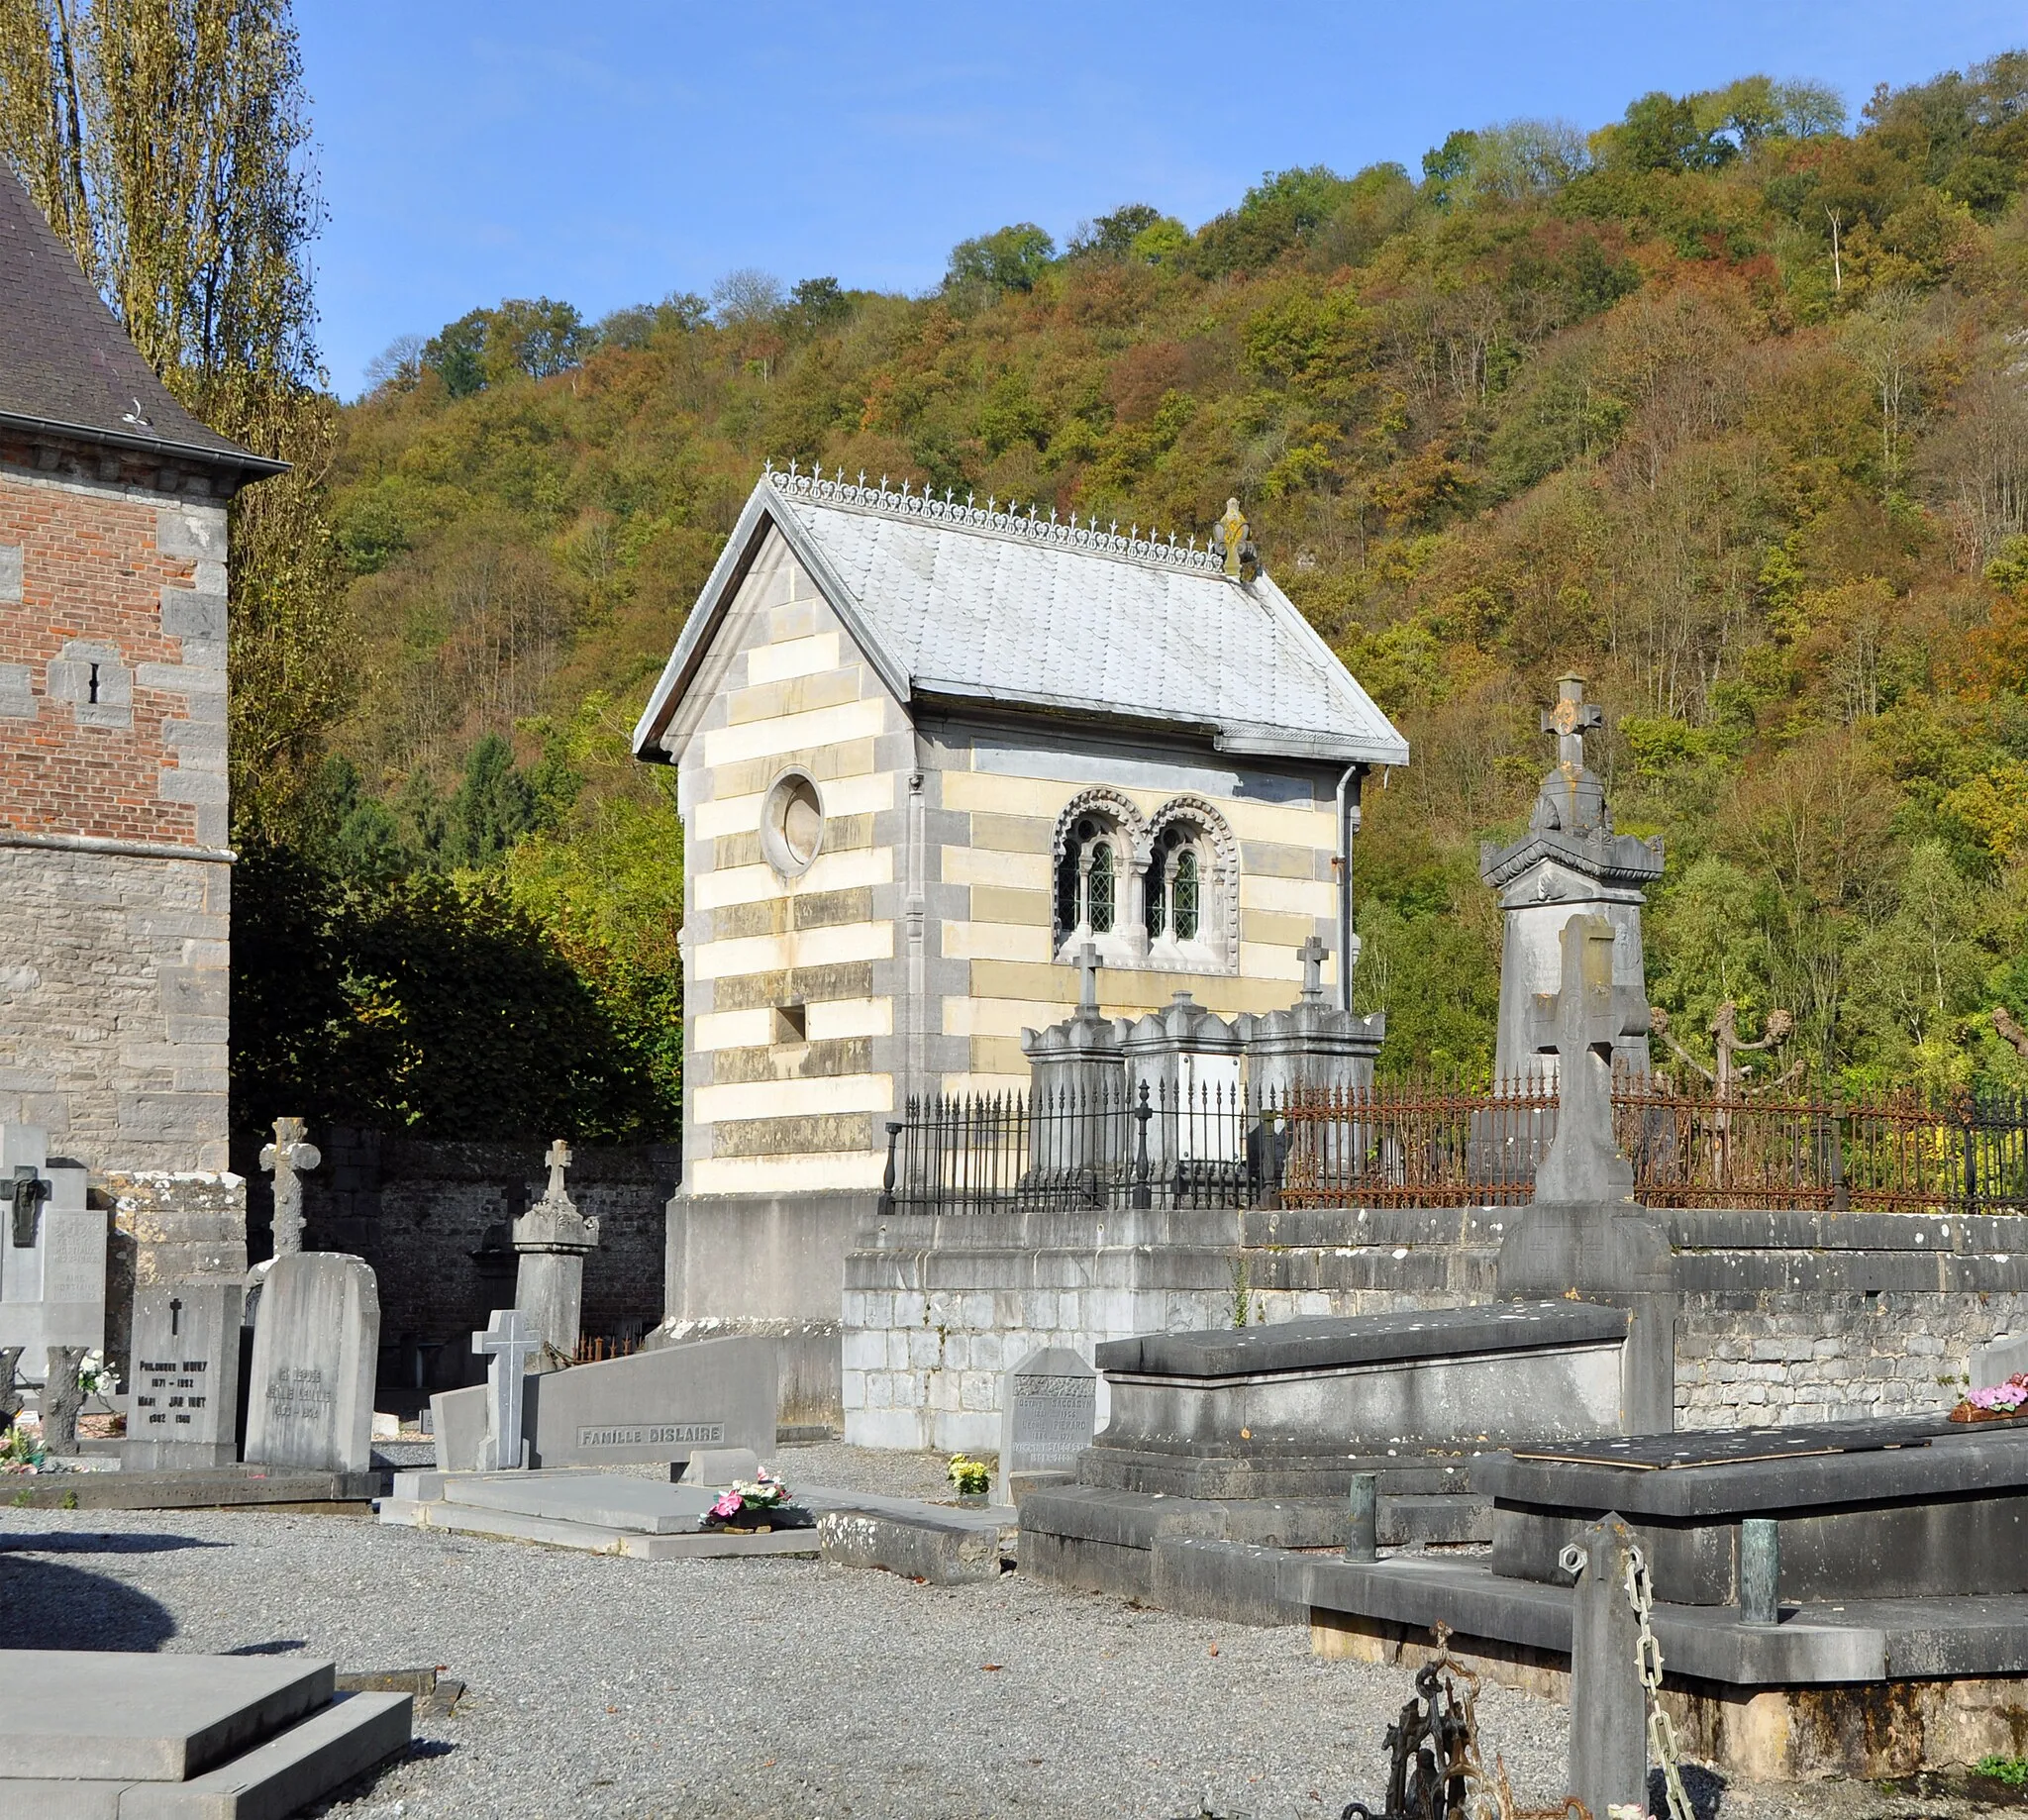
(185, 1376)
(53, 1286)
(1048, 1407)
(316, 1343)
(654, 1434)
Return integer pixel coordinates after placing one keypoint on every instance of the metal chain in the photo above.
(1648, 1663)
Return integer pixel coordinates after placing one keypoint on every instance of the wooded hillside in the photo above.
(1722, 406)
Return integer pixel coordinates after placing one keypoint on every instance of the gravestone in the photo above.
(310, 1399)
(1048, 1410)
(53, 1250)
(659, 1406)
(550, 1241)
(185, 1379)
(508, 1342)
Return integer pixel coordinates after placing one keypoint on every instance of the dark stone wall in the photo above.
(432, 1218)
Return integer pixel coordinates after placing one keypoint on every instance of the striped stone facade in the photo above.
(917, 942)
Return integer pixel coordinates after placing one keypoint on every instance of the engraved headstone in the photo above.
(310, 1397)
(53, 1250)
(184, 1379)
(1049, 1408)
(508, 1342)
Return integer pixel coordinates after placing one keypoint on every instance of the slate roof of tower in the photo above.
(955, 603)
(66, 365)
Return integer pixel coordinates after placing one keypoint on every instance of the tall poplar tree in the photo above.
(168, 143)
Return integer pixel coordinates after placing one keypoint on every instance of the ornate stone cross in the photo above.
(508, 1342)
(1311, 955)
(1578, 1024)
(1570, 720)
(557, 1157)
(284, 1157)
(1086, 958)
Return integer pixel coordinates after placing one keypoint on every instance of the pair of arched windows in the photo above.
(1156, 891)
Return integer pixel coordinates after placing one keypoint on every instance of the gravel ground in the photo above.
(784, 1688)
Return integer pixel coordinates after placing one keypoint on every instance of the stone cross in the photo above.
(1570, 720)
(1311, 955)
(511, 1341)
(1086, 958)
(1578, 1024)
(284, 1157)
(558, 1156)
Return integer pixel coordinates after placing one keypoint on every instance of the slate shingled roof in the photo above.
(66, 365)
(954, 603)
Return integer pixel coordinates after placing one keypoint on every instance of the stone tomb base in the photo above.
(91, 1735)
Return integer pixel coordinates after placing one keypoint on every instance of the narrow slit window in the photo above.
(1186, 895)
(1099, 890)
(92, 685)
(1158, 896)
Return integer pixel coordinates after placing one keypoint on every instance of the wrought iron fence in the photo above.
(1436, 1144)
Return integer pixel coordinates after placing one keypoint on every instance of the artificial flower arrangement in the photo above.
(22, 1451)
(754, 1507)
(1995, 1402)
(969, 1476)
(96, 1376)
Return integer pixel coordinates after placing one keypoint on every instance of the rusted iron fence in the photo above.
(1447, 1144)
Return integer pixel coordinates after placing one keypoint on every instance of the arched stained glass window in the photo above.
(1099, 890)
(1186, 895)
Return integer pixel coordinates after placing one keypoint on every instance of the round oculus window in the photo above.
(792, 824)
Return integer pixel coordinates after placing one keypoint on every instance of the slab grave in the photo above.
(95, 1735)
(1048, 1410)
(656, 1406)
(316, 1343)
(183, 1379)
(52, 1252)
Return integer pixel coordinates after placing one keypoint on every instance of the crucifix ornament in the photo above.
(288, 1154)
(1311, 955)
(1579, 1024)
(1086, 958)
(557, 1157)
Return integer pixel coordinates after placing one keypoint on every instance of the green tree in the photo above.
(1008, 260)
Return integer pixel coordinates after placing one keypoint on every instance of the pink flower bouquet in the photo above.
(1994, 1402)
(754, 1506)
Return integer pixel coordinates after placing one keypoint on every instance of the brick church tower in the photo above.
(115, 872)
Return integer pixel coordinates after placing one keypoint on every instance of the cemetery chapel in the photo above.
(929, 751)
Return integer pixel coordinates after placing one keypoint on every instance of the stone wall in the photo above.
(113, 999)
(1782, 1318)
(432, 1218)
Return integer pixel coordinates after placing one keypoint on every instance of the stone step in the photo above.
(98, 1715)
(225, 1488)
(1439, 1518)
(924, 1548)
(513, 1526)
(309, 1761)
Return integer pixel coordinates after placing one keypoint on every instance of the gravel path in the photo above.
(777, 1688)
(602, 1686)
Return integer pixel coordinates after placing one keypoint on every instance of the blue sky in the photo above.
(610, 153)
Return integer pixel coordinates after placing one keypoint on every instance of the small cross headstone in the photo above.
(551, 1241)
(1311, 955)
(508, 1342)
(288, 1154)
(1579, 1024)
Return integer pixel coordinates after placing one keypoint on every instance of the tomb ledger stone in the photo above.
(310, 1401)
(1048, 1410)
(185, 1379)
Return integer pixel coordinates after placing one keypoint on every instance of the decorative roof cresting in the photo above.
(1030, 526)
